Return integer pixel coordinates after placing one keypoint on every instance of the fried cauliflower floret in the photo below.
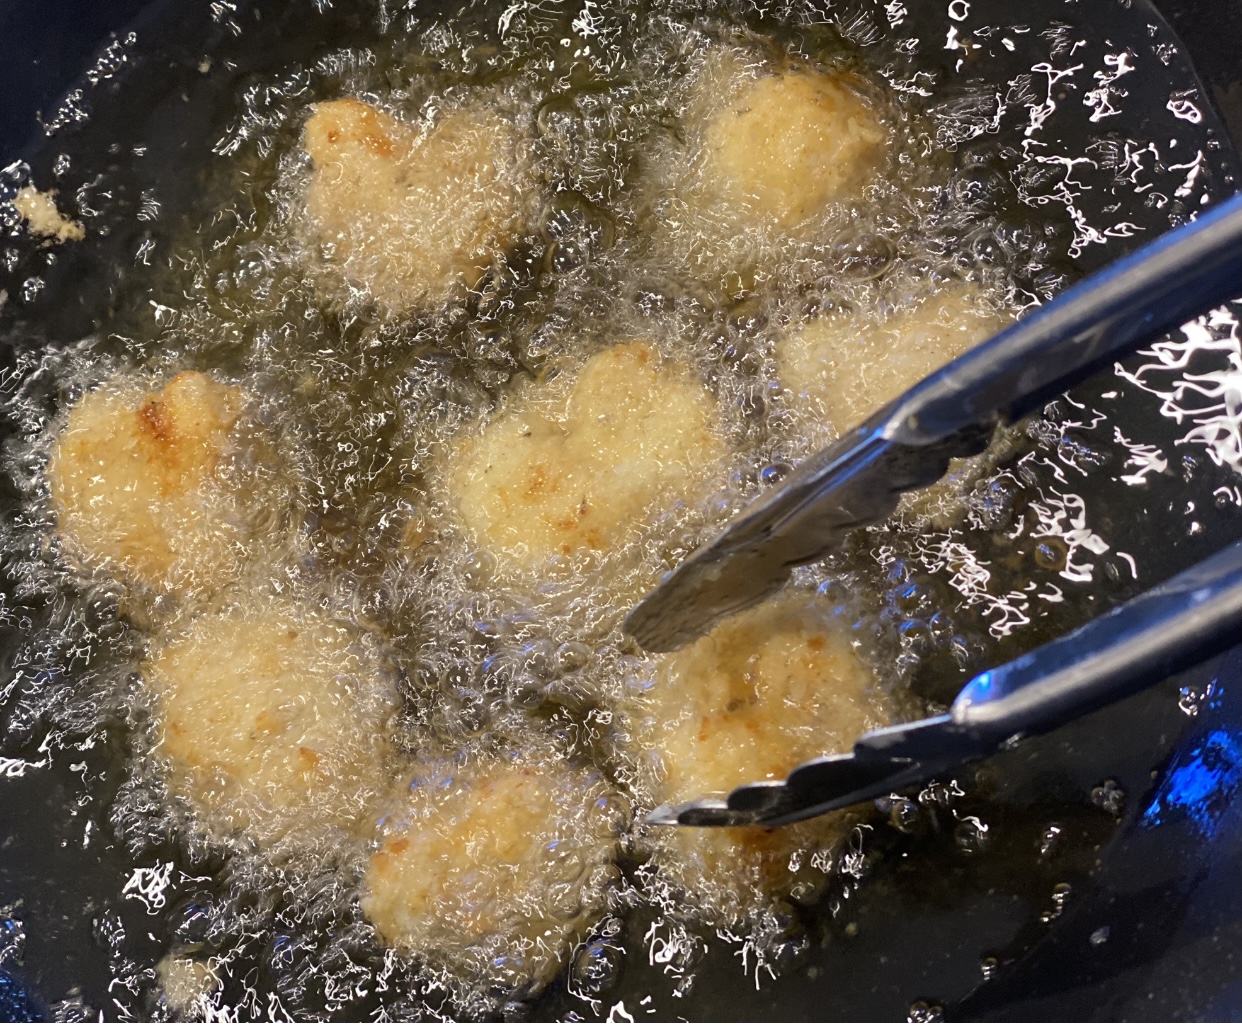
(578, 472)
(786, 145)
(495, 871)
(845, 367)
(411, 216)
(275, 721)
(144, 484)
(764, 691)
(766, 159)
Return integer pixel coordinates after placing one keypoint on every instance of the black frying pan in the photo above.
(947, 920)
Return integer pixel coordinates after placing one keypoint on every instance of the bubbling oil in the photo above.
(369, 408)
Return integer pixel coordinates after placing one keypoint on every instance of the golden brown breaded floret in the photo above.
(845, 367)
(577, 472)
(494, 871)
(413, 217)
(275, 720)
(768, 158)
(139, 483)
(786, 145)
(764, 691)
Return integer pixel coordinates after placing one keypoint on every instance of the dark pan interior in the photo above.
(1154, 926)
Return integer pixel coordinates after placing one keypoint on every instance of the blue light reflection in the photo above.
(1201, 783)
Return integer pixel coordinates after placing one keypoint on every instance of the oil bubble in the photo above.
(538, 658)
(571, 656)
(564, 900)
(479, 568)
(577, 232)
(1109, 797)
(917, 640)
(1050, 841)
(941, 627)
(1051, 553)
(192, 919)
(971, 835)
(1060, 898)
(516, 1011)
(865, 257)
(596, 968)
(753, 402)
(904, 815)
(774, 473)
(12, 939)
(925, 1011)
(606, 879)
(611, 815)
(526, 694)
(564, 862)
(748, 316)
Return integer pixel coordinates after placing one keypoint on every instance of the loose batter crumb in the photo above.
(43, 218)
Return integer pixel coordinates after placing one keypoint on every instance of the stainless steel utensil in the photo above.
(859, 479)
(907, 445)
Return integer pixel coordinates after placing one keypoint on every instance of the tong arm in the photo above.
(859, 479)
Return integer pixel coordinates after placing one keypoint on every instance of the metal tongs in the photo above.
(907, 445)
